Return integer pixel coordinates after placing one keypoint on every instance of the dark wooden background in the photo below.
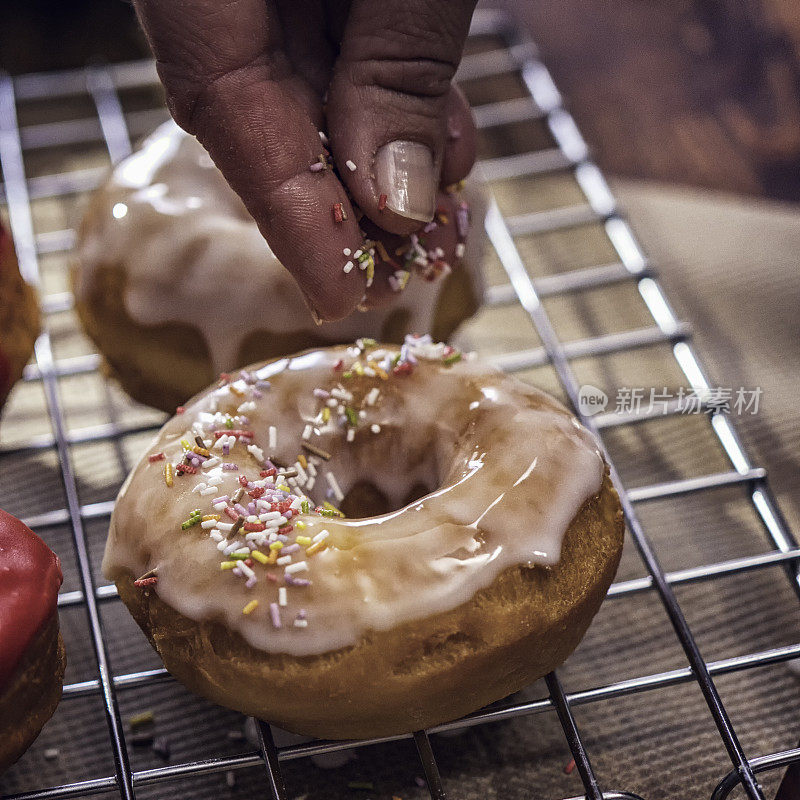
(697, 92)
(701, 92)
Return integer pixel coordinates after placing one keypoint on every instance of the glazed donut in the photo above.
(175, 284)
(32, 657)
(481, 535)
(19, 317)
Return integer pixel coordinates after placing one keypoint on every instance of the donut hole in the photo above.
(381, 474)
(365, 499)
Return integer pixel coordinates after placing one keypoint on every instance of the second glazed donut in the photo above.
(175, 284)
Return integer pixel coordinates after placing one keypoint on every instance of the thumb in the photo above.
(388, 104)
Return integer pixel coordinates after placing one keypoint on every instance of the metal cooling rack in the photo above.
(541, 100)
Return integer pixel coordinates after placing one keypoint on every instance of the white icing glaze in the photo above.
(167, 218)
(508, 466)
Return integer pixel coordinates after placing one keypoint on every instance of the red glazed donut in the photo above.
(32, 658)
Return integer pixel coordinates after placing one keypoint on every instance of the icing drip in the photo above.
(507, 468)
(30, 576)
(184, 240)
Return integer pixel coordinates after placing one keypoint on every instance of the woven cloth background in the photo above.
(731, 268)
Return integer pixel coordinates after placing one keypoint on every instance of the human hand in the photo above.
(257, 80)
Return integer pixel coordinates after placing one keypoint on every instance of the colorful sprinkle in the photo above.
(316, 547)
(275, 615)
(195, 517)
(250, 607)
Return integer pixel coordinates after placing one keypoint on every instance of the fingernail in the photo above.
(404, 172)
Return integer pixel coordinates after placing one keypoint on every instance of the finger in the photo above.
(228, 82)
(388, 102)
(461, 139)
(307, 45)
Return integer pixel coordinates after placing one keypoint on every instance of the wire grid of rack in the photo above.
(596, 206)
